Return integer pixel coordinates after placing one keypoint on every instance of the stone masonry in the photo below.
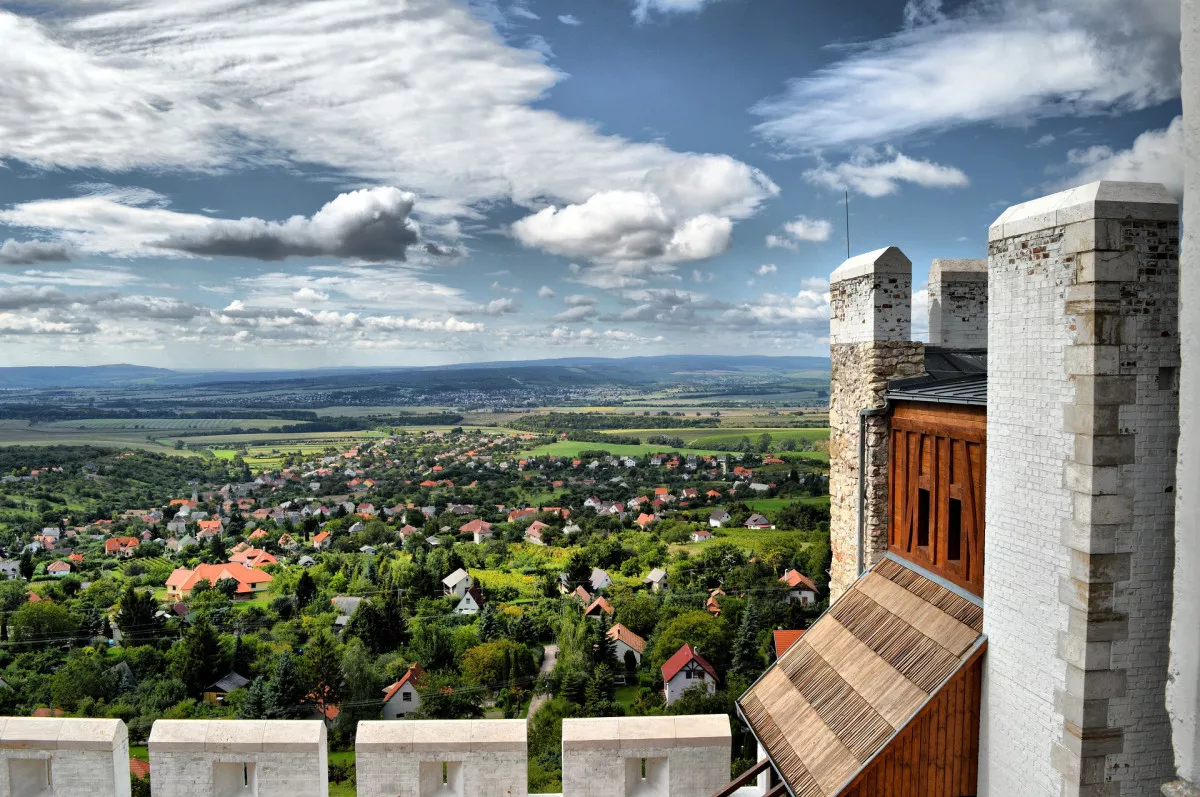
(1183, 683)
(958, 301)
(869, 337)
(1082, 425)
(224, 758)
(446, 758)
(44, 757)
(685, 756)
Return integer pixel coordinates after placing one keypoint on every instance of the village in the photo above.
(450, 574)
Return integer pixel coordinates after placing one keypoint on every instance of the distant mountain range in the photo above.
(639, 370)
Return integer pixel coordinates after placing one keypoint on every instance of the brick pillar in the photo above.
(958, 304)
(1082, 427)
(1183, 687)
(869, 336)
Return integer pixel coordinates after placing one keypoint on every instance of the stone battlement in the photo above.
(686, 756)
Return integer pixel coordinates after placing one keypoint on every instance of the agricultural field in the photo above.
(275, 438)
(24, 433)
(775, 504)
(756, 540)
(572, 448)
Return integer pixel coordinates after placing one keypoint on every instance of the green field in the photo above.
(757, 540)
(775, 504)
(161, 424)
(730, 438)
(277, 439)
(23, 433)
(571, 448)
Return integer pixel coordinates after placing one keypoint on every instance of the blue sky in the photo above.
(276, 183)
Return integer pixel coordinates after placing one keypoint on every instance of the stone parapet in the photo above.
(53, 757)
(446, 758)
(224, 758)
(958, 304)
(680, 756)
(1082, 427)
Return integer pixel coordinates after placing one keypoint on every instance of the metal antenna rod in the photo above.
(847, 224)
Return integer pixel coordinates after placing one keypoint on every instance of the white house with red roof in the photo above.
(253, 557)
(401, 698)
(800, 587)
(321, 540)
(685, 669)
(479, 529)
(627, 644)
(121, 546)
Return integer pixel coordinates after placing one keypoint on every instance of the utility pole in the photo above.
(847, 224)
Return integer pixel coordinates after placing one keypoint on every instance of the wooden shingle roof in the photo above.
(859, 675)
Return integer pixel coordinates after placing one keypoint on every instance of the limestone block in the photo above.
(270, 758)
(958, 302)
(53, 757)
(646, 756)
(442, 758)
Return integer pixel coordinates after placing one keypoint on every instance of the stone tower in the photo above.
(958, 304)
(1083, 411)
(869, 344)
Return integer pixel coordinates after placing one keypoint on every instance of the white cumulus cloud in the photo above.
(28, 253)
(799, 230)
(1156, 156)
(877, 174)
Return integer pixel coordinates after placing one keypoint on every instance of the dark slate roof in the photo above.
(951, 377)
(229, 683)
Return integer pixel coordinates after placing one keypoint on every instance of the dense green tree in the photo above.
(136, 617)
(490, 628)
(362, 683)
(26, 567)
(432, 645)
(198, 659)
(83, 676)
(747, 660)
(698, 628)
(254, 702)
(285, 692)
(443, 698)
(321, 665)
(44, 621)
(306, 589)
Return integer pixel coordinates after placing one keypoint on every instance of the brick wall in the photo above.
(1082, 407)
(958, 302)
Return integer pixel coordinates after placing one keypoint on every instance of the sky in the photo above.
(314, 183)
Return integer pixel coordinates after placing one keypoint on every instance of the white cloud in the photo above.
(871, 173)
(425, 95)
(1007, 61)
(576, 313)
(519, 10)
(624, 227)
(1155, 157)
(496, 286)
(545, 292)
(28, 253)
(308, 295)
(579, 300)
(765, 269)
(569, 19)
(370, 224)
(643, 8)
(798, 230)
(1044, 141)
(503, 306)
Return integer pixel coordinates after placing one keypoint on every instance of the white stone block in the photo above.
(646, 756)
(222, 758)
(53, 757)
(442, 758)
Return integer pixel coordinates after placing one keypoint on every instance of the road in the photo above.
(547, 665)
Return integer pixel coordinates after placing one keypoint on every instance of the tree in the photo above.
(84, 676)
(197, 659)
(605, 650)
(495, 663)
(44, 621)
(746, 658)
(431, 645)
(306, 589)
(578, 571)
(254, 704)
(442, 698)
(26, 565)
(698, 628)
(637, 611)
(285, 692)
(489, 624)
(362, 684)
(216, 547)
(136, 618)
(322, 667)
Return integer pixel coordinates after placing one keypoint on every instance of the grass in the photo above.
(756, 540)
(571, 448)
(139, 751)
(161, 424)
(728, 439)
(625, 695)
(23, 433)
(775, 504)
(275, 438)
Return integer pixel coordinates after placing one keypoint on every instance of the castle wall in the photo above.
(870, 330)
(223, 758)
(646, 756)
(1082, 414)
(423, 758)
(1183, 688)
(45, 757)
(958, 302)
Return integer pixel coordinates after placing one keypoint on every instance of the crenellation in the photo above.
(63, 757)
